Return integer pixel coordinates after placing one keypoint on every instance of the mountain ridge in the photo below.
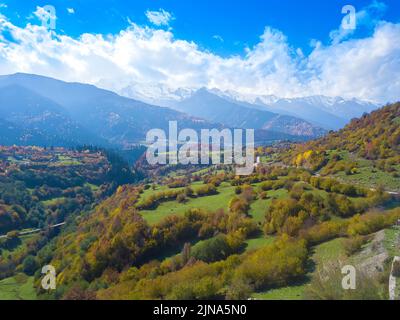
(207, 105)
(331, 113)
(40, 119)
(113, 119)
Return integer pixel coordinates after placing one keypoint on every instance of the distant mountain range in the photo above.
(330, 113)
(41, 110)
(207, 105)
(61, 113)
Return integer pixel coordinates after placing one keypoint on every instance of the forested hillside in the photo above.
(208, 234)
(41, 188)
(373, 136)
(366, 152)
(217, 236)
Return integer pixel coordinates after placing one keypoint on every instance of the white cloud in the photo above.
(71, 10)
(160, 17)
(366, 68)
(368, 17)
(144, 58)
(218, 37)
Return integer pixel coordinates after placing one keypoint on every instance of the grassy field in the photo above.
(19, 287)
(67, 161)
(259, 206)
(214, 202)
(370, 177)
(367, 178)
(392, 236)
(258, 242)
(219, 201)
(53, 201)
(367, 175)
(329, 251)
(158, 188)
(286, 293)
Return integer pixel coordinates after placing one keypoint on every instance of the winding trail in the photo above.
(22, 233)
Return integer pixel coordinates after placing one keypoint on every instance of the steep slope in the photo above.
(207, 105)
(40, 120)
(119, 120)
(11, 134)
(365, 152)
(375, 135)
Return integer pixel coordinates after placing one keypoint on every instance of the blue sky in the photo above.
(223, 26)
(150, 49)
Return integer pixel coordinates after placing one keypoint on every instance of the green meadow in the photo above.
(212, 202)
(19, 287)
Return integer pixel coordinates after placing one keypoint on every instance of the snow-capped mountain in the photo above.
(214, 108)
(151, 93)
(330, 113)
(326, 112)
(347, 109)
(249, 98)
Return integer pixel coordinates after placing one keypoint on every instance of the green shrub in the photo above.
(29, 265)
(211, 250)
